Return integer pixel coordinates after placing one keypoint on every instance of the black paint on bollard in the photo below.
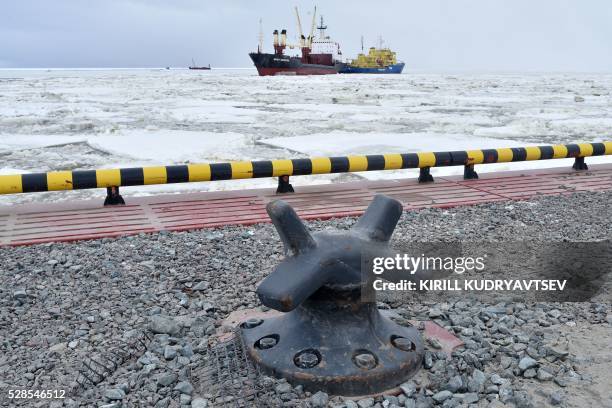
(329, 338)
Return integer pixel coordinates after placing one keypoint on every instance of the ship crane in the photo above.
(299, 26)
(312, 28)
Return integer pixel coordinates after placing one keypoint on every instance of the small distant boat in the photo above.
(194, 66)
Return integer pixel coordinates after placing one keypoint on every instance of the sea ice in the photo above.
(63, 119)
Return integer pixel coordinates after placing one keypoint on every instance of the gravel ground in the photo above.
(63, 303)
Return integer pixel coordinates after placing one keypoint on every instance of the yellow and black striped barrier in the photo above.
(82, 179)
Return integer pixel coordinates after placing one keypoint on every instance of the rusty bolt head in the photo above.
(403, 344)
(306, 359)
(366, 361)
(252, 322)
(267, 342)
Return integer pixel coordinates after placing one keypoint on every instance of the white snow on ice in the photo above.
(342, 143)
(19, 142)
(168, 146)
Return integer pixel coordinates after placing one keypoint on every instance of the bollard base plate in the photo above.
(352, 351)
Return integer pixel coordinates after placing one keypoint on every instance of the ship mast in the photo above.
(322, 28)
(261, 38)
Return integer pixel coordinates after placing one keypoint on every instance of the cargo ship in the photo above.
(194, 66)
(380, 60)
(319, 56)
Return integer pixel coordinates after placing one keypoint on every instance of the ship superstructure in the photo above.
(318, 55)
(324, 45)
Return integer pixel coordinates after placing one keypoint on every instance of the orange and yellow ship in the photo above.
(379, 60)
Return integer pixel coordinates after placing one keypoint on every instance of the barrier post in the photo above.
(579, 164)
(113, 197)
(284, 186)
(469, 173)
(425, 175)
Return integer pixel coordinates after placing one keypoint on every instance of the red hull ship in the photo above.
(274, 64)
(319, 55)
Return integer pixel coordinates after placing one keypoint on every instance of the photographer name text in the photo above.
(472, 285)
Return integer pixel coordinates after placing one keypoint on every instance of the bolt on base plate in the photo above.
(335, 347)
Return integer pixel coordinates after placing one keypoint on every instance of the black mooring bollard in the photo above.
(331, 339)
(113, 197)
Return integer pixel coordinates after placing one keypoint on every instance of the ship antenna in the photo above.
(362, 43)
(261, 38)
(322, 28)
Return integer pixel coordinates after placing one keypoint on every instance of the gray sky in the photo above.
(429, 35)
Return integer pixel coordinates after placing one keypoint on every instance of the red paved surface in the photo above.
(49, 222)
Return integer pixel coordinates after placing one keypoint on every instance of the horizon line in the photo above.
(416, 71)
